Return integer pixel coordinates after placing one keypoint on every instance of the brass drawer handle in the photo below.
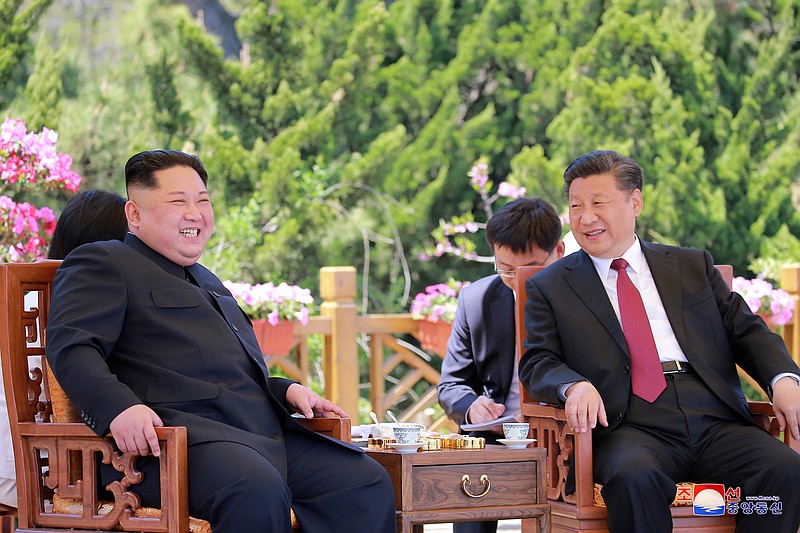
(484, 481)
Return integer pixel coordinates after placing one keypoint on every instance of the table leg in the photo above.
(404, 525)
(540, 524)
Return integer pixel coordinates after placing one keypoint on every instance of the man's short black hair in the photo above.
(625, 170)
(523, 223)
(140, 169)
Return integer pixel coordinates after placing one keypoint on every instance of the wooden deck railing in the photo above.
(397, 368)
(790, 282)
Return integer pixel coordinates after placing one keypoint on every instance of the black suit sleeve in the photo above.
(542, 368)
(87, 310)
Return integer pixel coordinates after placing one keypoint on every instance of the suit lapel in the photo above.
(666, 275)
(583, 279)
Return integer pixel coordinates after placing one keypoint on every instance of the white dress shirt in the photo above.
(639, 273)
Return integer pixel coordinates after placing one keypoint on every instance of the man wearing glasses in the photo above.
(479, 374)
(479, 379)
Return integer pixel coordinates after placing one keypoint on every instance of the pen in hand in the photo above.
(486, 392)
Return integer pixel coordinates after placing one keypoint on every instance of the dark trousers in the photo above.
(688, 434)
(475, 527)
(330, 488)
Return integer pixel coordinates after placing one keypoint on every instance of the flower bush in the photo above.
(29, 162)
(452, 236)
(274, 303)
(763, 298)
(438, 302)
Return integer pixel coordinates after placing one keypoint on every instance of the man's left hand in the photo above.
(310, 404)
(786, 403)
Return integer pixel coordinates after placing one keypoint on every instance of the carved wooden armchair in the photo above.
(53, 449)
(584, 509)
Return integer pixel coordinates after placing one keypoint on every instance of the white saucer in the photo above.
(516, 444)
(406, 447)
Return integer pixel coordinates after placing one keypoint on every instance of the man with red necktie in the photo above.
(640, 343)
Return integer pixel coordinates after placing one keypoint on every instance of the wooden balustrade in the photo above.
(790, 282)
(404, 366)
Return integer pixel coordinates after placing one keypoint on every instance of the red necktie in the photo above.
(647, 378)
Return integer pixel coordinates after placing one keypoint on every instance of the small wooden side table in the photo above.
(468, 485)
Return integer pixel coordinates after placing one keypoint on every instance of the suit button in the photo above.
(234, 328)
(216, 294)
(626, 369)
(619, 416)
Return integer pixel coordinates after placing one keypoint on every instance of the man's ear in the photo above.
(638, 202)
(560, 247)
(133, 214)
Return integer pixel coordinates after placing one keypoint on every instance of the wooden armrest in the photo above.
(338, 428)
(541, 410)
(70, 450)
(761, 408)
(564, 449)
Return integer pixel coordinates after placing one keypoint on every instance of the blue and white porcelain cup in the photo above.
(407, 433)
(516, 430)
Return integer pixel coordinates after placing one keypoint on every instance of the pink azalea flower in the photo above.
(29, 161)
(274, 303)
(761, 297)
(510, 191)
(438, 302)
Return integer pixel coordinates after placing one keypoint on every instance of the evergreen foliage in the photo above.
(346, 131)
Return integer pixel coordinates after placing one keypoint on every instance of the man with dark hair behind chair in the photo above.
(479, 380)
(164, 343)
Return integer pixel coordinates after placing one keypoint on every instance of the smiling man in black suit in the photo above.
(162, 342)
(661, 396)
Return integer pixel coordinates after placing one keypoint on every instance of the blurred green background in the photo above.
(340, 132)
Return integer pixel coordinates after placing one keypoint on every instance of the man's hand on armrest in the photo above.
(310, 404)
(133, 430)
(584, 407)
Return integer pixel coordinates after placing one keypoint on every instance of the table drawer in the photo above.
(439, 487)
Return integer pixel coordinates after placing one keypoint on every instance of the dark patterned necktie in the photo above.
(647, 378)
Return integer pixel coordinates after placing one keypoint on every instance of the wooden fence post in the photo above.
(790, 282)
(340, 351)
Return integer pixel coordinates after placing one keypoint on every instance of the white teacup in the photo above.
(407, 433)
(516, 430)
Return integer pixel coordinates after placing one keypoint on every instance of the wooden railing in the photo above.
(397, 368)
(790, 282)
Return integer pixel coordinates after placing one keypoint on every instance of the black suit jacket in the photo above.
(573, 333)
(481, 348)
(126, 328)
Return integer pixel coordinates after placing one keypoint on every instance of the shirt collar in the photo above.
(137, 244)
(633, 255)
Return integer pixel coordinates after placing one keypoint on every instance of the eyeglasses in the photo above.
(507, 274)
(511, 274)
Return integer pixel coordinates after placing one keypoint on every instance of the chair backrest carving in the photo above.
(52, 456)
(25, 297)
